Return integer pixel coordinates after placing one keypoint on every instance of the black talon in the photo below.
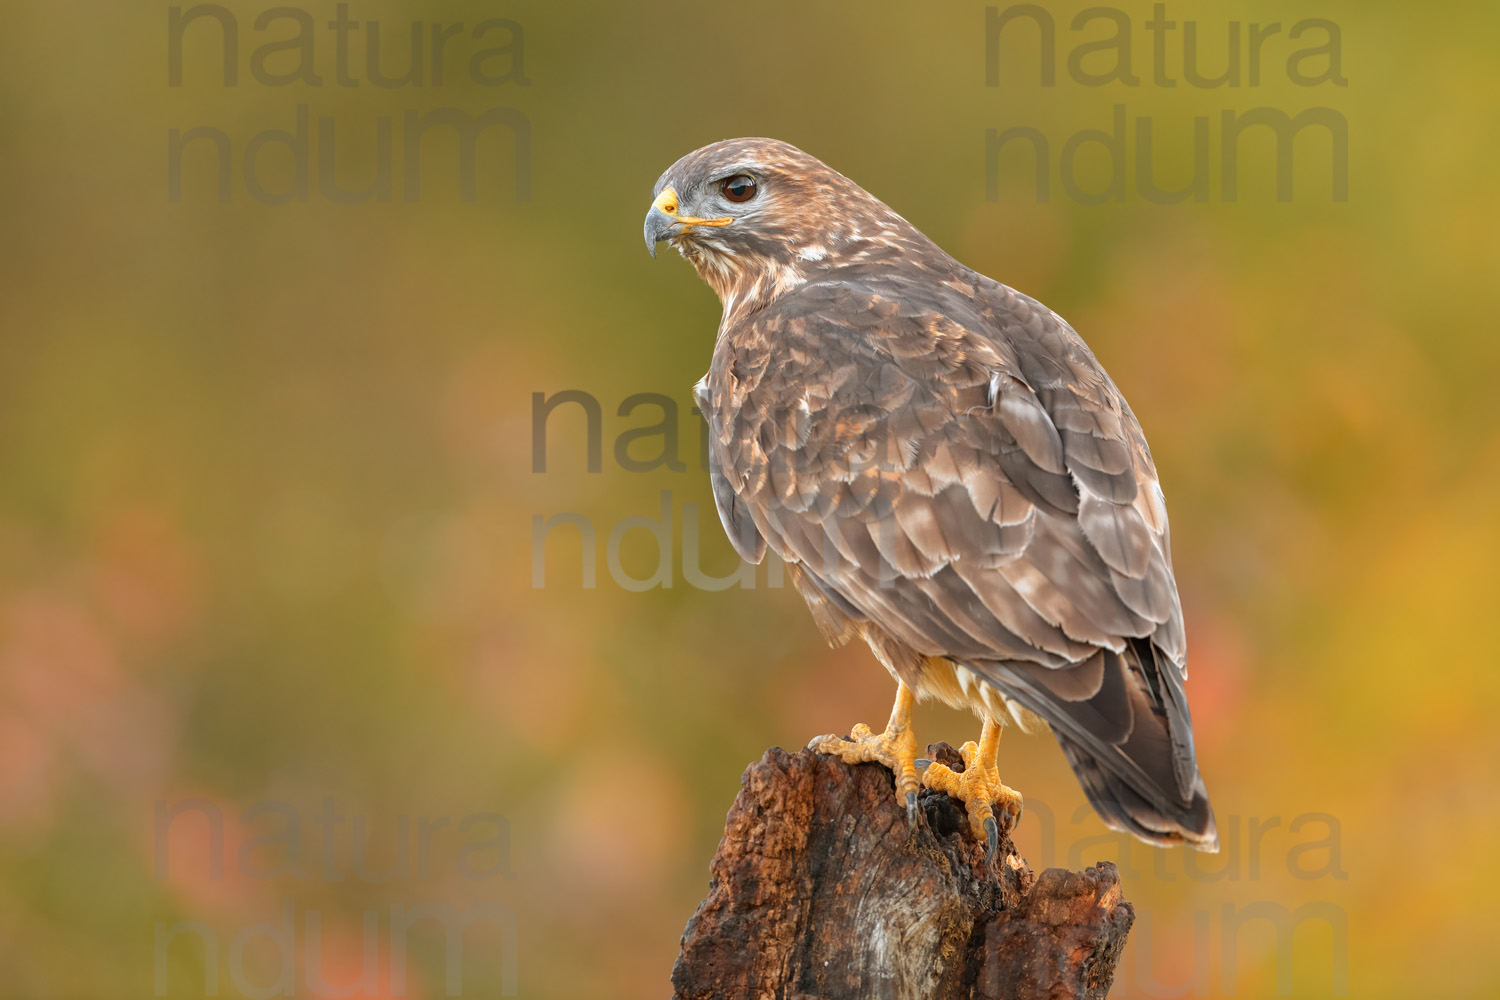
(911, 809)
(922, 763)
(992, 838)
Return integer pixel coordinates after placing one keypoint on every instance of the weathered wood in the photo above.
(820, 891)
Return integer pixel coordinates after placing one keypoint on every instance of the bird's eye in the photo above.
(739, 188)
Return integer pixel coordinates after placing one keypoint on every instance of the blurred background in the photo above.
(282, 659)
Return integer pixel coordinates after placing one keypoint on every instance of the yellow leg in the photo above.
(896, 748)
(979, 786)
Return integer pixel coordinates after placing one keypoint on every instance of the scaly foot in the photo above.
(979, 786)
(896, 748)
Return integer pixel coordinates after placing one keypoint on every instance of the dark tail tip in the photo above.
(1161, 819)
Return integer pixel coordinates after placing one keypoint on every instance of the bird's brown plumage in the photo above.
(948, 472)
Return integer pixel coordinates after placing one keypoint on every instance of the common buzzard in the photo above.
(949, 474)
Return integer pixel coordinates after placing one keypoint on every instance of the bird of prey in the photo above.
(950, 475)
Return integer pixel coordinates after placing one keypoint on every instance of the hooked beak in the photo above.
(663, 217)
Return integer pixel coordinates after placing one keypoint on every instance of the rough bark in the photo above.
(820, 891)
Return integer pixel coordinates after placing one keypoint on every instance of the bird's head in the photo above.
(756, 216)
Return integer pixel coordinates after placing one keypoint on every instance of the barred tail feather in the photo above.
(1123, 808)
(1123, 723)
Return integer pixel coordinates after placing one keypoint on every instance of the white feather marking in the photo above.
(994, 702)
(1015, 711)
(967, 680)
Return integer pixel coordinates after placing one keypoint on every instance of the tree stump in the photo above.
(820, 891)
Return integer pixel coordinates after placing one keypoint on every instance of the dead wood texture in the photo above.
(819, 891)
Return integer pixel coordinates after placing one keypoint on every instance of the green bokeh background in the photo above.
(266, 486)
